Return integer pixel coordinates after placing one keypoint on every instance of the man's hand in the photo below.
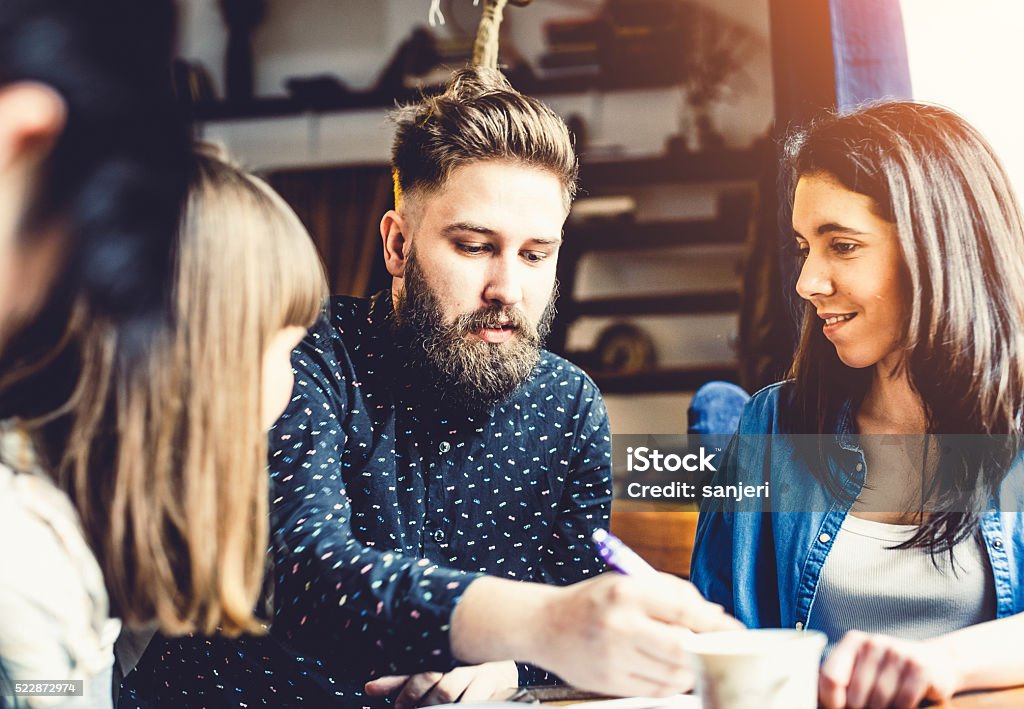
(463, 684)
(626, 636)
(879, 671)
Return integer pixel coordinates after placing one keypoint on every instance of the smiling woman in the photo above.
(912, 249)
(938, 214)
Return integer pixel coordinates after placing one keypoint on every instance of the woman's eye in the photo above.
(843, 247)
(534, 256)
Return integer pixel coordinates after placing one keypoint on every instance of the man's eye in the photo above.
(472, 248)
(534, 256)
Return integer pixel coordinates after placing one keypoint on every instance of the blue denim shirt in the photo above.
(763, 566)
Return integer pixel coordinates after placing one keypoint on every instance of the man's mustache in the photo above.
(493, 317)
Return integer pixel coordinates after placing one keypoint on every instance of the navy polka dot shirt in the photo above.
(386, 503)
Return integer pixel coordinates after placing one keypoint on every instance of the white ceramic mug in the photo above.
(759, 669)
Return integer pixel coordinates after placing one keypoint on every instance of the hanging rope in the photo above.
(485, 48)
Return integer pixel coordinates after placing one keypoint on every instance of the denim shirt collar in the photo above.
(845, 427)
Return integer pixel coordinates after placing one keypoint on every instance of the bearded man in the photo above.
(472, 447)
(434, 457)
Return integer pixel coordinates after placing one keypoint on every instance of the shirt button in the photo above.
(825, 538)
(860, 467)
(799, 625)
(439, 535)
(997, 543)
(444, 447)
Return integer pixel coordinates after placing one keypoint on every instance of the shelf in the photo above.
(622, 234)
(346, 100)
(708, 166)
(659, 380)
(703, 302)
(625, 235)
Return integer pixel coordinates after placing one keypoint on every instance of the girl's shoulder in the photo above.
(761, 413)
(55, 612)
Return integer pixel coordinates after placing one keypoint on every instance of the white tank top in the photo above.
(866, 585)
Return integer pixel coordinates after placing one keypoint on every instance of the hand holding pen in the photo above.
(697, 614)
(639, 621)
(620, 633)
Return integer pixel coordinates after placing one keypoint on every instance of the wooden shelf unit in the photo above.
(629, 234)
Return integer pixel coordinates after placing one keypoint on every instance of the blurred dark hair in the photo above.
(116, 176)
(114, 181)
(479, 116)
(961, 234)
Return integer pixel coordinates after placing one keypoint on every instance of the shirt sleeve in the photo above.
(53, 606)
(711, 568)
(382, 612)
(733, 560)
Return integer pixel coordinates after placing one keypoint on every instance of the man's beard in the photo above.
(463, 368)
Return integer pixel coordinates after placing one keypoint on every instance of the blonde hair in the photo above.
(166, 456)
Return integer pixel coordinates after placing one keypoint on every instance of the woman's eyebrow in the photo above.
(834, 228)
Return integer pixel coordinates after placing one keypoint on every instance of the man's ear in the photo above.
(396, 242)
(32, 116)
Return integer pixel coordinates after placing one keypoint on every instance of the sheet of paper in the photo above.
(681, 701)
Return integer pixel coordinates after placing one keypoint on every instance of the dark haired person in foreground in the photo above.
(93, 166)
(93, 170)
(904, 548)
(435, 458)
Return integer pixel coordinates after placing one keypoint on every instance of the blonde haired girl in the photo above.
(164, 457)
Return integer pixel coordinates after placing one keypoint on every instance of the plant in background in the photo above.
(715, 51)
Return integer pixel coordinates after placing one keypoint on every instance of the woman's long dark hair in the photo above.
(962, 237)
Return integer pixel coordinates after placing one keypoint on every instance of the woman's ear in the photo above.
(393, 231)
(32, 117)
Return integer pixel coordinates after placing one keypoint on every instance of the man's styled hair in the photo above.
(478, 117)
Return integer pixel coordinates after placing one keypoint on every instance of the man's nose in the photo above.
(504, 281)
